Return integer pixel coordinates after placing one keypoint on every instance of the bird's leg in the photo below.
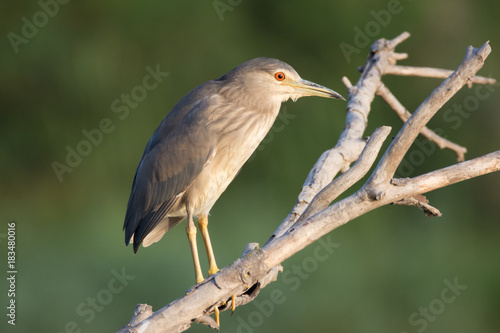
(191, 233)
(203, 223)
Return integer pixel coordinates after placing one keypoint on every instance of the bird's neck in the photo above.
(252, 97)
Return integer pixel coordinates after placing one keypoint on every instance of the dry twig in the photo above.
(433, 72)
(404, 115)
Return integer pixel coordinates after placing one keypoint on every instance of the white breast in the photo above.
(236, 145)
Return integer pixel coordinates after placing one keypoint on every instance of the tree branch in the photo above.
(404, 115)
(258, 267)
(473, 61)
(350, 177)
(421, 202)
(350, 143)
(432, 72)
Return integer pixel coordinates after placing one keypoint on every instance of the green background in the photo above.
(387, 264)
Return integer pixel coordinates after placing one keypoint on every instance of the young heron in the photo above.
(200, 146)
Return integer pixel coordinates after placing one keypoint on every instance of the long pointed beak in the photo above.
(308, 88)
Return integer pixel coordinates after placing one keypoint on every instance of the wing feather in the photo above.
(176, 154)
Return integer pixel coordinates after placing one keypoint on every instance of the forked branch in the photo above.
(404, 115)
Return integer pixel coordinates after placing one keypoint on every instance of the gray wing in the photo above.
(178, 151)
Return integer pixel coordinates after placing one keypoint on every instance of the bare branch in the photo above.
(350, 144)
(456, 173)
(350, 177)
(421, 202)
(361, 203)
(404, 115)
(398, 40)
(473, 61)
(141, 312)
(433, 73)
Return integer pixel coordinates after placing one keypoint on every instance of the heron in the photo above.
(200, 146)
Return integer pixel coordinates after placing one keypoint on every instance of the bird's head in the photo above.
(271, 80)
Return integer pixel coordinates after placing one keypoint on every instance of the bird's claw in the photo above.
(217, 316)
(233, 303)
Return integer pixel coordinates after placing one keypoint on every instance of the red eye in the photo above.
(280, 76)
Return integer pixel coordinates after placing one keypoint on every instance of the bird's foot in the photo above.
(217, 316)
(233, 303)
(211, 271)
(199, 277)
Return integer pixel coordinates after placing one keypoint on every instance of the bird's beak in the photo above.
(307, 88)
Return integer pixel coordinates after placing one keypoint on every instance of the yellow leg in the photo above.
(217, 316)
(202, 224)
(191, 233)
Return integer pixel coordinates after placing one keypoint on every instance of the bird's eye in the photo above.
(280, 76)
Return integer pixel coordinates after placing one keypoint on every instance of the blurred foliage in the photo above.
(389, 263)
